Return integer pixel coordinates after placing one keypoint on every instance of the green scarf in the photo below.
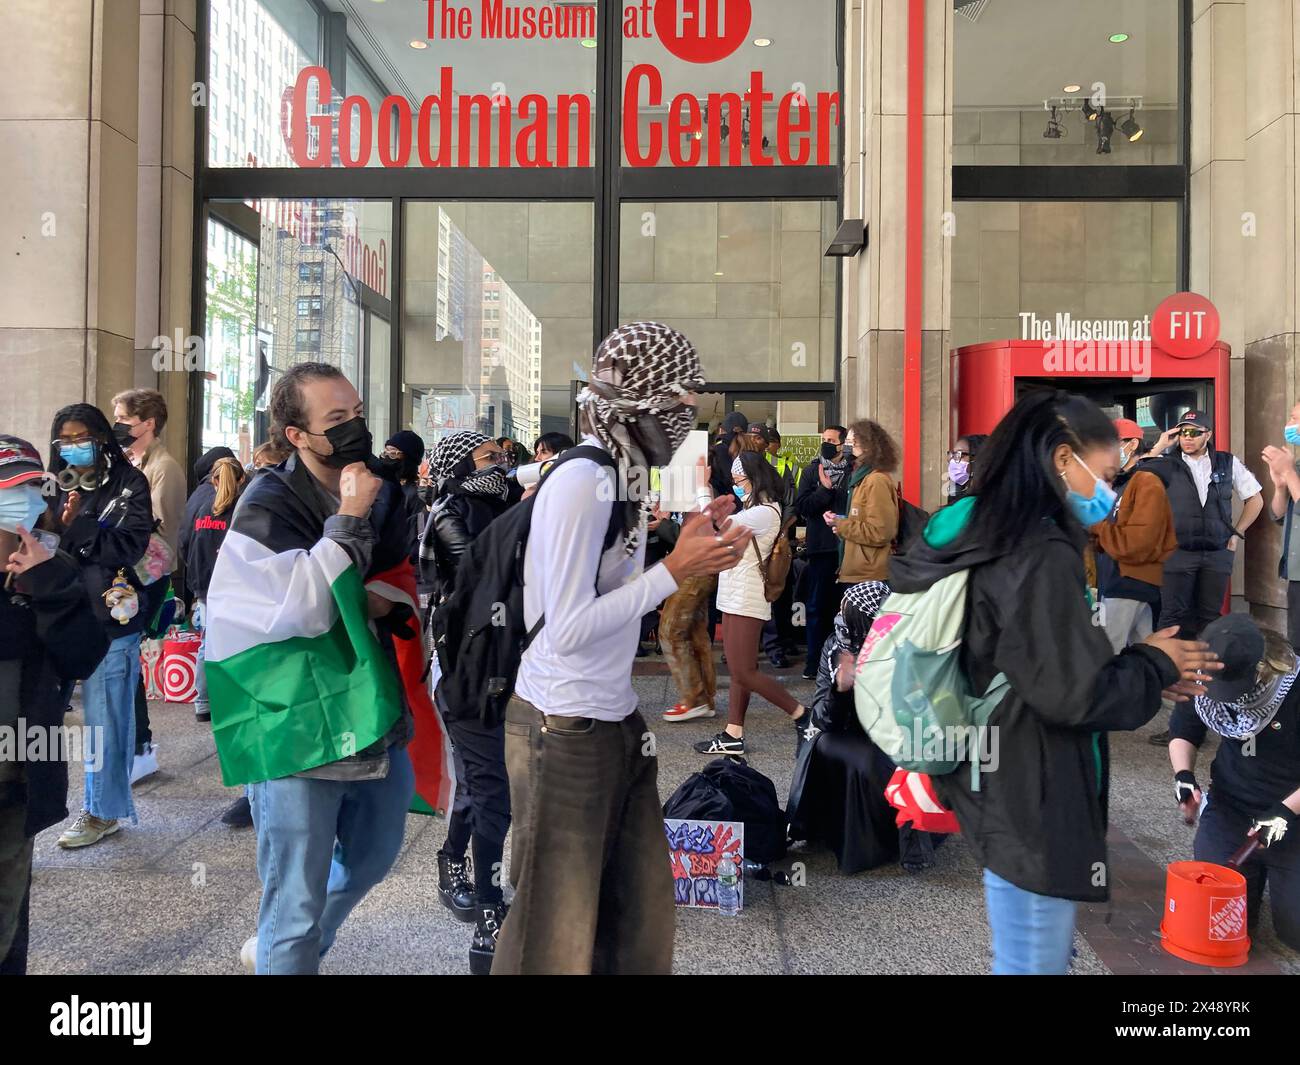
(855, 479)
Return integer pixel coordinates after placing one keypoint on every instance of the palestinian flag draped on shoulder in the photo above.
(298, 675)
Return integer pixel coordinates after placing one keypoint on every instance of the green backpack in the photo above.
(911, 694)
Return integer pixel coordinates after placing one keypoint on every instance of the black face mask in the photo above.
(351, 442)
(830, 452)
(122, 432)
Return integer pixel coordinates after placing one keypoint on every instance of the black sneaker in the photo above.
(483, 947)
(722, 743)
(778, 660)
(202, 715)
(239, 815)
(809, 672)
(1160, 739)
(455, 888)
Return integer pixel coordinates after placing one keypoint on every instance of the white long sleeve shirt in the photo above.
(580, 662)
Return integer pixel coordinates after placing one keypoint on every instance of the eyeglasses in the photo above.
(1192, 433)
(957, 456)
(72, 441)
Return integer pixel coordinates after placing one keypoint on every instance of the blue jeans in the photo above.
(108, 701)
(1033, 935)
(321, 845)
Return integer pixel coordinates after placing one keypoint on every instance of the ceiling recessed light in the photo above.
(419, 44)
(1118, 38)
(717, 273)
(588, 42)
(762, 42)
(1070, 88)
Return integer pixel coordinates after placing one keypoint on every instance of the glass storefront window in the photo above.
(497, 316)
(255, 50)
(312, 287)
(747, 282)
(230, 350)
(731, 83)
(1091, 260)
(1013, 62)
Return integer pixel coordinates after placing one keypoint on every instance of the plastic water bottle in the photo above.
(728, 887)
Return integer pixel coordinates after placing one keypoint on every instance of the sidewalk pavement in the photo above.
(179, 892)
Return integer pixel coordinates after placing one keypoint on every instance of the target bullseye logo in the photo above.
(178, 669)
(702, 31)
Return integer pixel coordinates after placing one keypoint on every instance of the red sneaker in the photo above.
(682, 712)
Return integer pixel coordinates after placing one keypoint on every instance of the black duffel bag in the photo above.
(728, 789)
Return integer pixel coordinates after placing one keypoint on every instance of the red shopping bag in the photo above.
(179, 666)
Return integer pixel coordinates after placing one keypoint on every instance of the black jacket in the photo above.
(416, 514)
(455, 521)
(201, 537)
(1250, 777)
(813, 500)
(47, 637)
(1039, 818)
(101, 550)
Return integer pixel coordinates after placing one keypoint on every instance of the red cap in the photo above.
(1128, 429)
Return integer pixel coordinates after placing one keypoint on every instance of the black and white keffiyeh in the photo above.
(1249, 715)
(640, 369)
(449, 451)
(859, 608)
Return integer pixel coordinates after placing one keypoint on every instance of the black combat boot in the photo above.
(483, 947)
(455, 887)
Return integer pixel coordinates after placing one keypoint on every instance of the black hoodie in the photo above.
(1039, 818)
(202, 532)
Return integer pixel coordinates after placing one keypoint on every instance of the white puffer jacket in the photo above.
(740, 589)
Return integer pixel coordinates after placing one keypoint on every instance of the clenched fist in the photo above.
(358, 488)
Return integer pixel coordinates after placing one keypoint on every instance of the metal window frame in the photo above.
(606, 185)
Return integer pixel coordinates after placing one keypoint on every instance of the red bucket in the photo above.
(1205, 914)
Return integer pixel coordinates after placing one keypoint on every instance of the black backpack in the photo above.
(728, 789)
(478, 630)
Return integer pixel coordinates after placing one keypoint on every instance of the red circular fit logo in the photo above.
(702, 31)
(1185, 325)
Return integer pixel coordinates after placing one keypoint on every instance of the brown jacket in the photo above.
(1142, 535)
(868, 529)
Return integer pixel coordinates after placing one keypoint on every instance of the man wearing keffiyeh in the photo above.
(1254, 704)
(589, 858)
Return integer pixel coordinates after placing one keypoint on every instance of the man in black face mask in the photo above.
(297, 515)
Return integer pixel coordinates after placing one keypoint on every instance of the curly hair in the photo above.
(878, 447)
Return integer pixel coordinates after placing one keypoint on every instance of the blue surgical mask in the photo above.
(740, 492)
(1091, 509)
(21, 505)
(78, 454)
(1292, 434)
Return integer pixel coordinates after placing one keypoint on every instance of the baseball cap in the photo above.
(759, 430)
(1196, 417)
(19, 462)
(1128, 429)
(1236, 639)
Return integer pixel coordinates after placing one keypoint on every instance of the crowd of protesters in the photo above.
(1096, 552)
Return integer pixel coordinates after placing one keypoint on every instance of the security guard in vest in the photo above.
(1200, 481)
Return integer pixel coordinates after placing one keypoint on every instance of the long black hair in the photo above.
(1016, 482)
(108, 452)
(762, 477)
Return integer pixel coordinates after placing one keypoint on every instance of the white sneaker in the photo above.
(248, 954)
(146, 764)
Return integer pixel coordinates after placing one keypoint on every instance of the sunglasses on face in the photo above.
(1192, 433)
(958, 456)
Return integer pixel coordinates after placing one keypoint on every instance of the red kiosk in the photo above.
(988, 378)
